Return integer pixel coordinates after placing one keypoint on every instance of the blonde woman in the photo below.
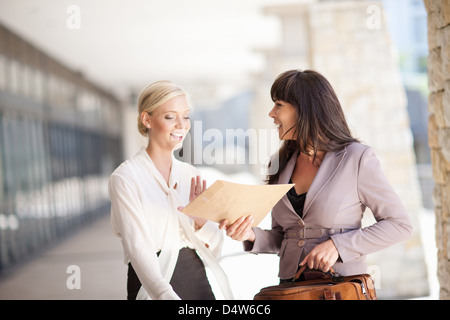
(166, 251)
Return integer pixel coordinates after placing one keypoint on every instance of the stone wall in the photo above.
(439, 129)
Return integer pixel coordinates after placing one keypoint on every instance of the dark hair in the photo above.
(321, 124)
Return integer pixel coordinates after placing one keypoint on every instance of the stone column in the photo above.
(439, 130)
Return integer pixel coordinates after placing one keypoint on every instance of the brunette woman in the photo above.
(318, 222)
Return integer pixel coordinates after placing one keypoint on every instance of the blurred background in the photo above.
(70, 75)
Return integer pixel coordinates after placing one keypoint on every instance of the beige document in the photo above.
(228, 200)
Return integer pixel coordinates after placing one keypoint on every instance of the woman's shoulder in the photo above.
(356, 153)
(128, 169)
(357, 148)
(362, 155)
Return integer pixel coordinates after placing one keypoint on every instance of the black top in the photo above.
(297, 200)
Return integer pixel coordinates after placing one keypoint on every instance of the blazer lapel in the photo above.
(327, 169)
(285, 176)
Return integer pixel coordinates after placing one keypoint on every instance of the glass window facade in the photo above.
(53, 168)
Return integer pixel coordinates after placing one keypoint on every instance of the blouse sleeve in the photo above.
(128, 221)
(209, 233)
(392, 221)
(212, 237)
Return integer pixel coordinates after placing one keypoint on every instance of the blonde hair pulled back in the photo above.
(155, 95)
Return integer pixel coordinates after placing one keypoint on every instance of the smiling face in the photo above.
(285, 117)
(169, 123)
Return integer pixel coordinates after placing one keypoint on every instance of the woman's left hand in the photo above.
(197, 187)
(322, 257)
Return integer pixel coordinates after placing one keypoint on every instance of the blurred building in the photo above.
(60, 139)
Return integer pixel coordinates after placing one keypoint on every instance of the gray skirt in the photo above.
(189, 279)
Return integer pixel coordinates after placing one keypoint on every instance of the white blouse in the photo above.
(144, 216)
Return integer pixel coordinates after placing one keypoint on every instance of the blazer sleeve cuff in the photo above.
(341, 244)
(253, 247)
(266, 241)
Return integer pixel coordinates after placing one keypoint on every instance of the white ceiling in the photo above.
(124, 44)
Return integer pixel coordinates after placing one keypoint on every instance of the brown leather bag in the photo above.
(328, 286)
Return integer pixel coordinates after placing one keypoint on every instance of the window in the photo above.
(2, 170)
(15, 78)
(3, 72)
(39, 86)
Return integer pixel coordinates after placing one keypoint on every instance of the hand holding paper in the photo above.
(230, 201)
(240, 230)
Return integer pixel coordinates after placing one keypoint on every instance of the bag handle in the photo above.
(303, 268)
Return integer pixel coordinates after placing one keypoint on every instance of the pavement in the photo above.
(88, 265)
(85, 265)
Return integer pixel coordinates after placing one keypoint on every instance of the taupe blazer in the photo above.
(346, 183)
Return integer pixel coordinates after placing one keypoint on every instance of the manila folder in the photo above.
(228, 200)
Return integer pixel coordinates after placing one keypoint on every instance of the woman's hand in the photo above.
(240, 230)
(322, 257)
(197, 187)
